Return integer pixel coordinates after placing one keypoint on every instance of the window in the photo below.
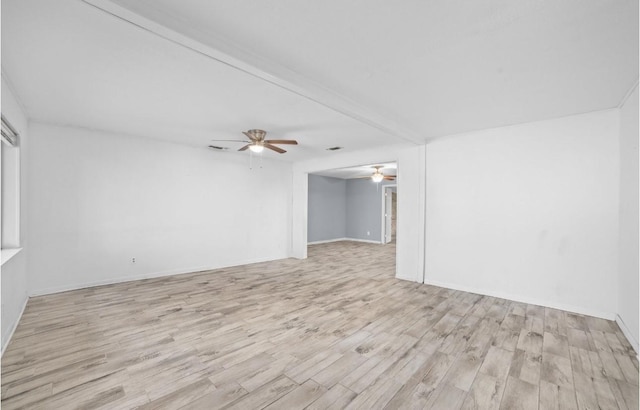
(10, 190)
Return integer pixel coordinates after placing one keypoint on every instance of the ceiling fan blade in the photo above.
(274, 148)
(290, 142)
(390, 177)
(233, 141)
(251, 137)
(245, 147)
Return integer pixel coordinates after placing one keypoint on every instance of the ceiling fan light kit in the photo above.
(377, 176)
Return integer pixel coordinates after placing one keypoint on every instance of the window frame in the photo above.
(10, 191)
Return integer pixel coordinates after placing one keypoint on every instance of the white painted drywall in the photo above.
(98, 200)
(528, 212)
(628, 279)
(14, 271)
(410, 224)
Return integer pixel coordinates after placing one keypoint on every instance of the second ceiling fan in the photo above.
(378, 175)
(257, 143)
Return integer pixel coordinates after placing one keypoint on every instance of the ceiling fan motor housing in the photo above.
(258, 134)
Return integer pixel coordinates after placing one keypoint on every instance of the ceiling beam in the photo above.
(225, 52)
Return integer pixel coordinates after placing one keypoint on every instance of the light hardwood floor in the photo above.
(333, 331)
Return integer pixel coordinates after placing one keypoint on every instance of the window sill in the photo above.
(9, 253)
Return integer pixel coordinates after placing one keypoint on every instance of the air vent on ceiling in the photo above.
(217, 147)
(334, 148)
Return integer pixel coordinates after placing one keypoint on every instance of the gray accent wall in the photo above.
(327, 217)
(344, 208)
(364, 209)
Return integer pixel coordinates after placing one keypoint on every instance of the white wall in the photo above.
(14, 271)
(528, 212)
(98, 199)
(628, 279)
(410, 223)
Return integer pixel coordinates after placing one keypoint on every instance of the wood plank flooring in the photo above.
(330, 332)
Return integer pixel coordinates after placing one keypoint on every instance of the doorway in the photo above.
(348, 205)
(389, 213)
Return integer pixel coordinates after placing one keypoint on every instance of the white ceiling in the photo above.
(71, 63)
(439, 67)
(360, 171)
(363, 73)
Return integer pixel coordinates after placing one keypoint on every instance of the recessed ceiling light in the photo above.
(334, 148)
(217, 147)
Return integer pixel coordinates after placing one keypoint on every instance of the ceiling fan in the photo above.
(378, 175)
(257, 143)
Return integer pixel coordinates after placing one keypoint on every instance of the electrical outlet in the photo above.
(133, 260)
(368, 233)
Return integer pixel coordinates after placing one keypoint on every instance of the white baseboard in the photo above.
(364, 240)
(111, 281)
(14, 326)
(344, 239)
(406, 278)
(627, 333)
(525, 299)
